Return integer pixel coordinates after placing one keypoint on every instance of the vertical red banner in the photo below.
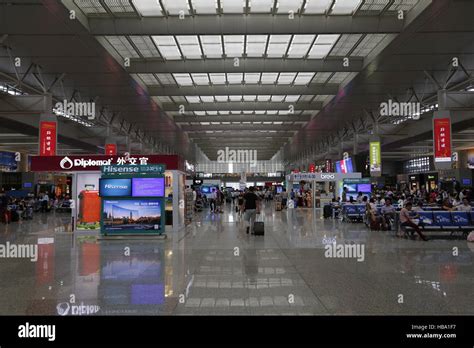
(111, 149)
(312, 168)
(442, 139)
(47, 141)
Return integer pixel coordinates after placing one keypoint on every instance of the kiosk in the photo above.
(332, 182)
(85, 172)
(132, 199)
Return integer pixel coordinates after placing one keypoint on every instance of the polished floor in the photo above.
(213, 267)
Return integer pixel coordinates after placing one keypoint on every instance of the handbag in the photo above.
(470, 237)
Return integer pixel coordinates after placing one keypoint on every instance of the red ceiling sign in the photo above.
(94, 162)
(47, 141)
(312, 168)
(442, 139)
(111, 149)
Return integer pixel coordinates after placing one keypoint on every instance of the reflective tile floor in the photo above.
(212, 267)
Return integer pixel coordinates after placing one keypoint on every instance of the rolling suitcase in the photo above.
(259, 228)
(327, 211)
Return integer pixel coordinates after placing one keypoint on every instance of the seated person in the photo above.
(388, 213)
(405, 220)
(465, 206)
(447, 205)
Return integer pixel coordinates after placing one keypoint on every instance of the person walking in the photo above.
(251, 201)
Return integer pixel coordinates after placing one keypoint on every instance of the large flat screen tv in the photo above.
(148, 187)
(132, 215)
(115, 187)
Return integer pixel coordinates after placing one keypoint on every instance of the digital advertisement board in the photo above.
(375, 158)
(115, 187)
(148, 187)
(442, 139)
(132, 215)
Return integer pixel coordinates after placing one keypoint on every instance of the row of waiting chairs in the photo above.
(429, 220)
(446, 221)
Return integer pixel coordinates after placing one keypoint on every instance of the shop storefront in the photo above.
(84, 173)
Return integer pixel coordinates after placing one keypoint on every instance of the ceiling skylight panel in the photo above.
(263, 97)
(249, 97)
(252, 78)
(148, 7)
(300, 45)
(148, 79)
(271, 112)
(234, 45)
(322, 46)
(207, 98)
(321, 77)
(179, 99)
(317, 6)
(167, 47)
(145, 46)
(205, 6)
(90, 6)
(183, 79)
(122, 46)
(345, 44)
(368, 44)
(286, 78)
(269, 78)
(285, 6)
(303, 78)
(235, 78)
(166, 79)
(278, 98)
(256, 45)
(212, 46)
(260, 112)
(175, 7)
(190, 47)
(278, 45)
(200, 79)
(218, 78)
(292, 98)
(193, 99)
(261, 6)
(374, 5)
(233, 6)
(306, 98)
(119, 6)
(234, 98)
(345, 6)
(221, 98)
(404, 5)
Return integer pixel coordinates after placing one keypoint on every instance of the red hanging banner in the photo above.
(312, 168)
(111, 149)
(442, 139)
(47, 141)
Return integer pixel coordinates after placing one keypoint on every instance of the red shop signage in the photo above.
(312, 168)
(111, 149)
(94, 162)
(442, 139)
(47, 143)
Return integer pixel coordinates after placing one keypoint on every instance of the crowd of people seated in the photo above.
(13, 209)
(387, 205)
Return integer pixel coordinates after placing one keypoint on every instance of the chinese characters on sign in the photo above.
(47, 141)
(442, 139)
(375, 158)
(111, 149)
